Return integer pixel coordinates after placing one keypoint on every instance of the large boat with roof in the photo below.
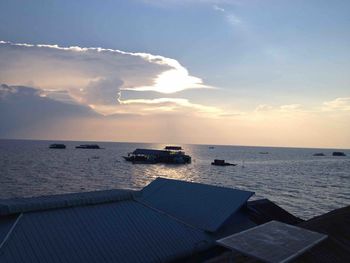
(169, 155)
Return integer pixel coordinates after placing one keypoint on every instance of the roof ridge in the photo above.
(10, 231)
(30, 204)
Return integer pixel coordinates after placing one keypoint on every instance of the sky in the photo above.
(252, 72)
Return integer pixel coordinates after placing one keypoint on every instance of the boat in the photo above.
(88, 146)
(140, 158)
(211, 147)
(152, 156)
(222, 163)
(173, 148)
(338, 154)
(57, 146)
(263, 152)
(319, 154)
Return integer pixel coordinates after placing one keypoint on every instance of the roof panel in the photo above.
(204, 206)
(19, 205)
(115, 232)
(150, 152)
(6, 222)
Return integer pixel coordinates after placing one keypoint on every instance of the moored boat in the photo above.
(319, 154)
(151, 156)
(57, 146)
(222, 163)
(88, 146)
(338, 154)
(173, 148)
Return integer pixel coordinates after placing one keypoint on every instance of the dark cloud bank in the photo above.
(23, 110)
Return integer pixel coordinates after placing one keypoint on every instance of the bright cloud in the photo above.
(91, 76)
(282, 108)
(338, 104)
(173, 80)
(60, 89)
(290, 107)
(173, 105)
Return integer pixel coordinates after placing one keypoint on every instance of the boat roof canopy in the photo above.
(150, 152)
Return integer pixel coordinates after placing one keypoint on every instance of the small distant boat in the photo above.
(88, 146)
(263, 152)
(173, 148)
(222, 163)
(170, 155)
(319, 154)
(57, 146)
(338, 154)
(211, 147)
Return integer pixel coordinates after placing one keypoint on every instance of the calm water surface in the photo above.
(299, 182)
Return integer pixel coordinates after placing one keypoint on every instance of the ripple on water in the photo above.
(302, 184)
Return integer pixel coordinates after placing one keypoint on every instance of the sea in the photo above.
(303, 184)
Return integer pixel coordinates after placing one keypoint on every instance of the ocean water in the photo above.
(293, 178)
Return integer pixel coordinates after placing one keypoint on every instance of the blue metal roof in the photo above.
(204, 206)
(124, 231)
(6, 222)
(19, 205)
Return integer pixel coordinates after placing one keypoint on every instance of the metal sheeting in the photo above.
(115, 232)
(204, 206)
(19, 205)
(6, 222)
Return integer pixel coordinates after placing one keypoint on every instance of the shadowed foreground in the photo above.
(167, 221)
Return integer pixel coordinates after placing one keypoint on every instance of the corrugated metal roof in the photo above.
(204, 206)
(6, 222)
(19, 205)
(115, 232)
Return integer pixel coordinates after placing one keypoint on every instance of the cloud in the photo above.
(81, 93)
(282, 108)
(173, 105)
(290, 107)
(218, 8)
(28, 108)
(230, 17)
(27, 112)
(103, 91)
(338, 104)
(263, 107)
(233, 19)
(173, 80)
(95, 77)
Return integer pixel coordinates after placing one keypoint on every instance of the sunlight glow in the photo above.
(174, 80)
